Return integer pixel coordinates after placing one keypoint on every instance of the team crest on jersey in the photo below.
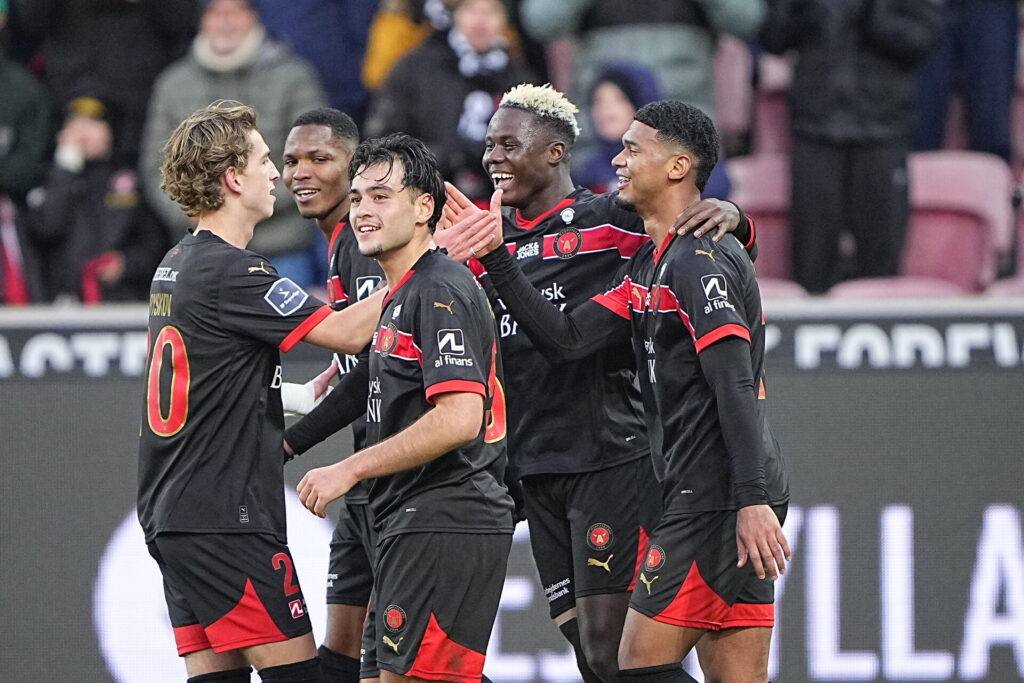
(285, 297)
(599, 536)
(365, 286)
(387, 339)
(394, 618)
(568, 242)
(655, 559)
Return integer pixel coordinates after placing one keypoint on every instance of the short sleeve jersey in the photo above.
(579, 416)
(351, 277)
(681, 299)
(210, 457)
(437, 335)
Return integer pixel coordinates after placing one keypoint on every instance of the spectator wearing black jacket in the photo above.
(96, 238)
(445, 91)
(851, 103)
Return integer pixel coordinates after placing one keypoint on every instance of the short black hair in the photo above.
(341, 124)
(688, 127)
(419, 163)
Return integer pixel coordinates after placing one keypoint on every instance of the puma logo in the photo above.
(709, 254)
(261, 268)
(647, 582)
(392, 644)
(591, 562)
(447, 306)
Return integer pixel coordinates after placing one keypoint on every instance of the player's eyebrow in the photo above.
(371, 188)
(626, 142)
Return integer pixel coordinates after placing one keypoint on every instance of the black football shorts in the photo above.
(436, 599)
(689, 575)
(228, 591)
(587, 530)
(350, 571)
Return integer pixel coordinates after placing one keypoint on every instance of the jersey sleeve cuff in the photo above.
(462, 386)
(296, 335)
(730, 330)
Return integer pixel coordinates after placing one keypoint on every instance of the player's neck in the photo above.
(660, 214)
(548, 198)
(228, 224)
(331, 220)
(397, 262)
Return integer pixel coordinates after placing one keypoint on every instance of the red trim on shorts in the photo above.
(641, 551)
(190, 639)
(742, 615)
(440, 658)
(730, 330)
(696, 605)
(463, 386)
(296, 335)
(248, 623)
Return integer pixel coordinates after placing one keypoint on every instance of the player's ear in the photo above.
(556, 153)
(231, 181)
(424, 207)
(680, 165)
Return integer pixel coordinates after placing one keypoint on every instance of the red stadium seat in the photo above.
(771, 133)
(734, 93)
(961, 217)
(895, 288)
(776, 288)
(760, 185)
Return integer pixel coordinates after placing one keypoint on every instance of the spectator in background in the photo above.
(619, 91)
(24, 134)
(851, 104)
(445, 91)
(232, 58)
(121, 45)
(332, 36)
(977, 55)
(97, 239)
(673, 38)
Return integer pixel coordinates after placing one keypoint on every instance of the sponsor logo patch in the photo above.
(365, 286)
(285, 297)
(714, 287)
(297, 608)
(451, 342)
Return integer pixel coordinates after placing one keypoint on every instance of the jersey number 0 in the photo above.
(177, 408)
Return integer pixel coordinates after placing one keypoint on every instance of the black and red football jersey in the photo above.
(680, 299)
(581, 416)
(210, 455)
(351, 277)
(437, 335)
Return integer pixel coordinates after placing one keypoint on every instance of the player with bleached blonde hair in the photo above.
(577, 440)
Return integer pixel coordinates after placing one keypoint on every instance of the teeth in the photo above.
(305, 193)
(500, 177)
(367, 228)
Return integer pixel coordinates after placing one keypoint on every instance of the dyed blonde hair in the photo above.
(201, 149)
(546, 103)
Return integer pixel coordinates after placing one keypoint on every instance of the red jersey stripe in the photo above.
(304, 327)
(601, 238)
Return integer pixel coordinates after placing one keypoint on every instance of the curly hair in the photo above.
(690, 128)
(201, 149)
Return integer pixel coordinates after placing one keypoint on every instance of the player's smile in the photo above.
(313, 170)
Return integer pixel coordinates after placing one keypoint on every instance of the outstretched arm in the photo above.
(340, 408)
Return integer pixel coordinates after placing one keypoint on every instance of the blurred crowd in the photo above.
(92, 89)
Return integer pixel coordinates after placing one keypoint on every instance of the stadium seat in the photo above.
(1009, 287)
(771, 133)
(760, 185)
(734, 94)
(777, 288)
(961, 217)
(895, 288)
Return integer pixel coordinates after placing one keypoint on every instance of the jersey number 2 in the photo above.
(177, 409)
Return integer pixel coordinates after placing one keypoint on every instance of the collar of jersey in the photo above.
(659, 251)
(530, 225)
(337, 231)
